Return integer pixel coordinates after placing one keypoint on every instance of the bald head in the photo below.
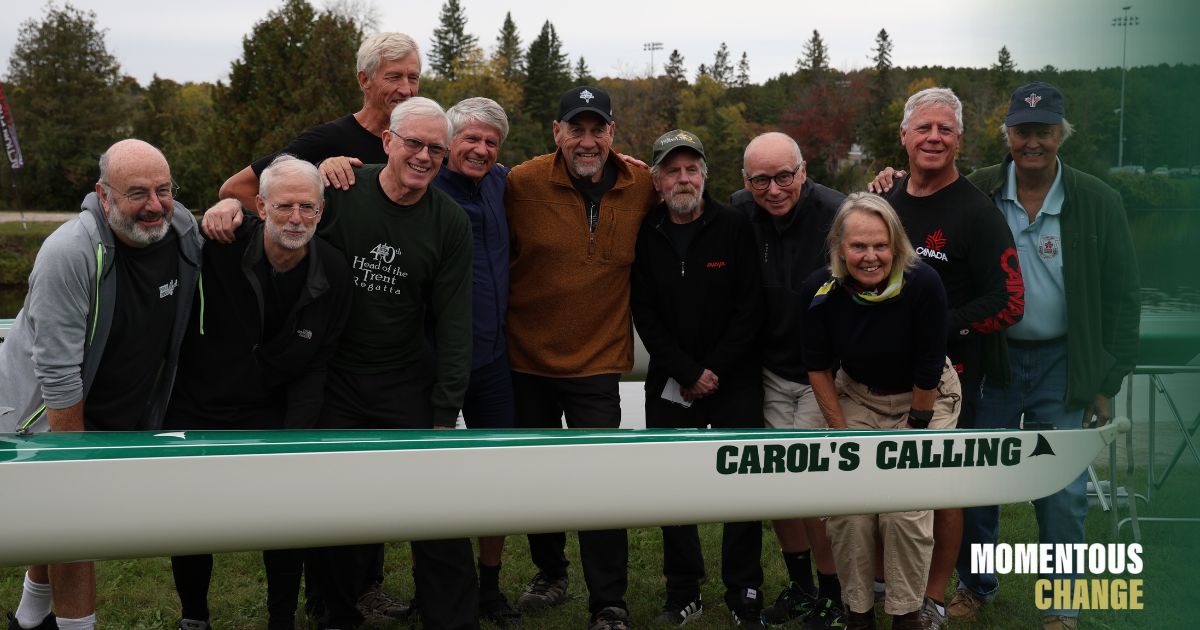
(769, 159)
(136, 192)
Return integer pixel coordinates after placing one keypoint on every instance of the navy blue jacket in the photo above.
(484, 203)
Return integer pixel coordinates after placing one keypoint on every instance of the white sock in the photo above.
(35, 604)
(83, 623)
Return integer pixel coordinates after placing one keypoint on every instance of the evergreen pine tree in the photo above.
(743, 72)
(722, 69)
(1003, 71)
(450, 40)
(816, 56)
(508, 50)
(583, 74)
(547, 74)
(675, 70)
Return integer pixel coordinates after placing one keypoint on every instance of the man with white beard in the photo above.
(264, 324)
(697, 304)
(96, 343)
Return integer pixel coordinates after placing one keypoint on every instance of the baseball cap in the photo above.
(672, 140)
(1035, 102)
(584, 98)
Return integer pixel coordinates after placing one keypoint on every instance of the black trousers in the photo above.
(443, 570)
(193, 574)
(736, 405)
(587, 402)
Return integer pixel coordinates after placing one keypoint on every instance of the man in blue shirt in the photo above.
(1079, 336)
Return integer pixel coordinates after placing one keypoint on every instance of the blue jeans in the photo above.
(1038, 391)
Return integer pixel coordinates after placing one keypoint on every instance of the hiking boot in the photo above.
(544, 592)
(965, 605)
(194, 624)
(793, 603)
(860, 621)
(746, 606)
(1058, 622)
(494, 607)
(931, 619)
(825, 614)
(679, 611)
(610, 618)
(49, 623)
(376, 605)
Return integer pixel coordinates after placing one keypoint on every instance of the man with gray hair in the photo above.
(389, 73)
(957, 230)
(1081, 276)
(409, 250)
(474, 179)
(697, 304)
(95, 346)
(255, 355)
(790, 215)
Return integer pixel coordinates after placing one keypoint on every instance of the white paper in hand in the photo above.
(671, 393)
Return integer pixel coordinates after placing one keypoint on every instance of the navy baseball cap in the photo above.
(584, 98)
(1036, 102)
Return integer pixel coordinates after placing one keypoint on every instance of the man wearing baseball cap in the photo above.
(697, 304)
(573, 220)
(1062, 364)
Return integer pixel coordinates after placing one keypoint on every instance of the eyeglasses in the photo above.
(436, 151)
(139, 196)
(783, 180)
(307, 210)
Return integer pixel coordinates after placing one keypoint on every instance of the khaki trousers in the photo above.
(907, 536)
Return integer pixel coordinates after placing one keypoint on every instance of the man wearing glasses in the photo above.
(409, 251)
(573, 220)
(255, 356)
(790, 215)
(96, 343)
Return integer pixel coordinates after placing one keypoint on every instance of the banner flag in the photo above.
(9, 130)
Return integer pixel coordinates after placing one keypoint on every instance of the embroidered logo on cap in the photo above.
(1033, 99)
(587, 96)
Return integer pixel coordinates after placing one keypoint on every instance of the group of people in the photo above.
(384, 271)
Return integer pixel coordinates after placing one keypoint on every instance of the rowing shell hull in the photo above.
(123, 495)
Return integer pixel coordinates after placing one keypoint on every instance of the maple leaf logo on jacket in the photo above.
(933, 246)
(935, 240)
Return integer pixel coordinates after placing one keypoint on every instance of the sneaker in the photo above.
(860, 621)
(194, 624)
(680, 611)
(49, 623)
(376, 605)
(825, 614)
(1057, 622)
(793, 603)
(544, 592)
(746, 606)
(610, 618)
(494, 608)
(931, 619)
(965, 605)
(907, 621)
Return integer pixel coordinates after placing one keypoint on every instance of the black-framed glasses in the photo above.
(414, 145)
(138, 195)
(307, 210)
(783, 180)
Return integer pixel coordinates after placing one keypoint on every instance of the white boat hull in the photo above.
(92, 496)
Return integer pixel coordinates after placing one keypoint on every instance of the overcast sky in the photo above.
(196, 41)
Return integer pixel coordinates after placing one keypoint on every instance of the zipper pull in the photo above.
(591, 245)
(682, 269)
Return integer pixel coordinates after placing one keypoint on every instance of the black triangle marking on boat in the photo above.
(1042, 447)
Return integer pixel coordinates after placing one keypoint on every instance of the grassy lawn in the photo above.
(139, 593)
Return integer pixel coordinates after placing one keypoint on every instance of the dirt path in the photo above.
(36, 217)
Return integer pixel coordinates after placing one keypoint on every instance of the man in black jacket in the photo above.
(265, 322)
(790, 215)
(696, 302)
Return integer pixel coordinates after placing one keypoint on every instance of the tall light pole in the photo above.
(1125, 21)
(652, 46)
